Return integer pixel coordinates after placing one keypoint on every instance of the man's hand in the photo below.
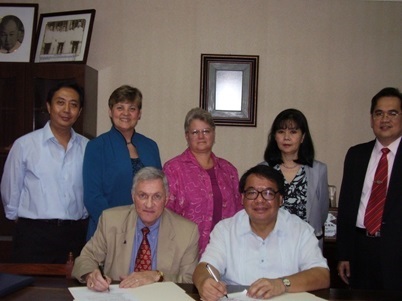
(210, 290)
(265, 288)
(344, 271)
(96, 282)
(139, 278)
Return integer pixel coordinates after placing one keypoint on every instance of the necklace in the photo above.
(128, 142)
(289, 167)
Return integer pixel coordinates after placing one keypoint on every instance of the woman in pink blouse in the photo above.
(203, 188)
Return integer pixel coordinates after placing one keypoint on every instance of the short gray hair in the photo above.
(150, 173)
(200, 114)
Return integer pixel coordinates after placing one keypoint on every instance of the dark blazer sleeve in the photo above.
(354, 172)
(391, 228)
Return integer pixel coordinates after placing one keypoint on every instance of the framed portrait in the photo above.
(229, 88)
(64, 36)
(330, 224)
(17, 28)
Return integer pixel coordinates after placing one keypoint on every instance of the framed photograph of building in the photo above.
(17, 28)
(64, 36)
(229, 88)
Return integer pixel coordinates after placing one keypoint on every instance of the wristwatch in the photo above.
(286, 283)
(161, 278)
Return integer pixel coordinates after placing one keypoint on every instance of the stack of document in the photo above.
(159, 291)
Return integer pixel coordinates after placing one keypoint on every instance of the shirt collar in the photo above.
(245, 227)
(141, 225)
(393, 147)
(48, 134)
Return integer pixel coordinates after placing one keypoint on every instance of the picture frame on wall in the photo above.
(229, 88)
(64, 36)
(17, 29)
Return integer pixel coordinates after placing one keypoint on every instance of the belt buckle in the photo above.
(376, 234)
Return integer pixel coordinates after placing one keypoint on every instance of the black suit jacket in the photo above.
(355, 168)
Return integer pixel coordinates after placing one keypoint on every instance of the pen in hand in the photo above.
(213, 275)
(100, 266)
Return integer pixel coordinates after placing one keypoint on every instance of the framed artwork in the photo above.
(17, 27)
(229, 87)
(64, 36)
(330, 224)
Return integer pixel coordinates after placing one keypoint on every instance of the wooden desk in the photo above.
(47, 288)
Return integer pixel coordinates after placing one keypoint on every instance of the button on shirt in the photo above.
(242, 257)
(42, 180)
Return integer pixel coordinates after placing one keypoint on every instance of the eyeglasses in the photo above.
(390, 114)
(157, 197)
(267, 194)
(205, 132)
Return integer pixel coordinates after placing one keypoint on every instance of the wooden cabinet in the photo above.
(23, 91)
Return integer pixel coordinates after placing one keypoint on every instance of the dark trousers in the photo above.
(39, 241)
(365, 267)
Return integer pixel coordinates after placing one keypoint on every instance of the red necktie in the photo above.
(375, 205)
(143, 262)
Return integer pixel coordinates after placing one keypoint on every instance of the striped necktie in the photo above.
(375, 205)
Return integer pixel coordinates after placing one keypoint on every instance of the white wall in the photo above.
(324, 57)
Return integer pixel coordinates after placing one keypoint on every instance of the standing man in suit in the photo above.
(372, 258)
(172, 239)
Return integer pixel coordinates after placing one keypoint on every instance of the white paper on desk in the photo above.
(82, 293)
(242, 296)
(159, 291)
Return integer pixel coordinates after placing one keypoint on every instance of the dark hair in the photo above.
(125, 93)
(266, 172)
(386, 92)
(72, 85)
(305, 155)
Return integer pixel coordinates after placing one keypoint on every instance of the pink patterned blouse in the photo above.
(191, 191)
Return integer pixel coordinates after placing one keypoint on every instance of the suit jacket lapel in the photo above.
(165, 247)
(126, 239)
(312, 182)
(394, 188)
(362, 161)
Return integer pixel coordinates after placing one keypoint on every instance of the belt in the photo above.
(364, 231)
(57, 222)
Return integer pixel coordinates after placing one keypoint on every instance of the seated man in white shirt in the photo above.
(262, 246)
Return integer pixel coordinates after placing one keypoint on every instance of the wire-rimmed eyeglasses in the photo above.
(390, 114)
(267, 194)
(204, 132)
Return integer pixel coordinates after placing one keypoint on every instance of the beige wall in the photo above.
(324, 57)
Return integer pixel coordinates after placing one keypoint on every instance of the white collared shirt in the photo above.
(42, 180)
(242, 257)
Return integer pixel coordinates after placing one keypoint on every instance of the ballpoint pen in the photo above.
(213, 275)
(100, 266)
